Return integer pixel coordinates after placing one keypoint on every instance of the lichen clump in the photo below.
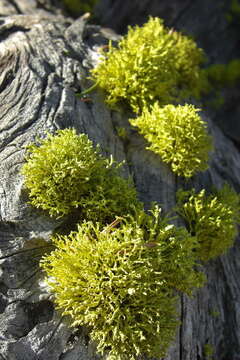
(112, 196)
(65, 172)
(178, 135)
(151, 63)
(76, 7)
(219, 76)
(122, 281)
(211, 218)
(233, 14)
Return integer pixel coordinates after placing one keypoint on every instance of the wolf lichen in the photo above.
(121, 282)
(219, 76)
(112, 196)
(151, 63)
(178, 135)
(76, 7)
(66, 172)
(234, 12)
(213, 219)
(208, 351)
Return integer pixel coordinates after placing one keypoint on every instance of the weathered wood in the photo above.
(44, 60)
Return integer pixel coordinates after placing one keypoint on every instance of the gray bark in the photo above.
(44, 61)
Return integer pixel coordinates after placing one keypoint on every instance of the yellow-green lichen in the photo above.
(208, 351)
(151, 63)
(178, 135)
(213, 219)
(66, 172)
(220, 76)
(76, 7)
(121, 282)
(234, 11)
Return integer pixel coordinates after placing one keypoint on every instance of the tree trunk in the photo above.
(45, 59)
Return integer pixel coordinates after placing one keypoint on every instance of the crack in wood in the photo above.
(25, 251)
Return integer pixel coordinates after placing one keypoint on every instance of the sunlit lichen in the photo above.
(66, 172)
(151, 63)
(211, 218)
(121, 282)
(178, 135)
